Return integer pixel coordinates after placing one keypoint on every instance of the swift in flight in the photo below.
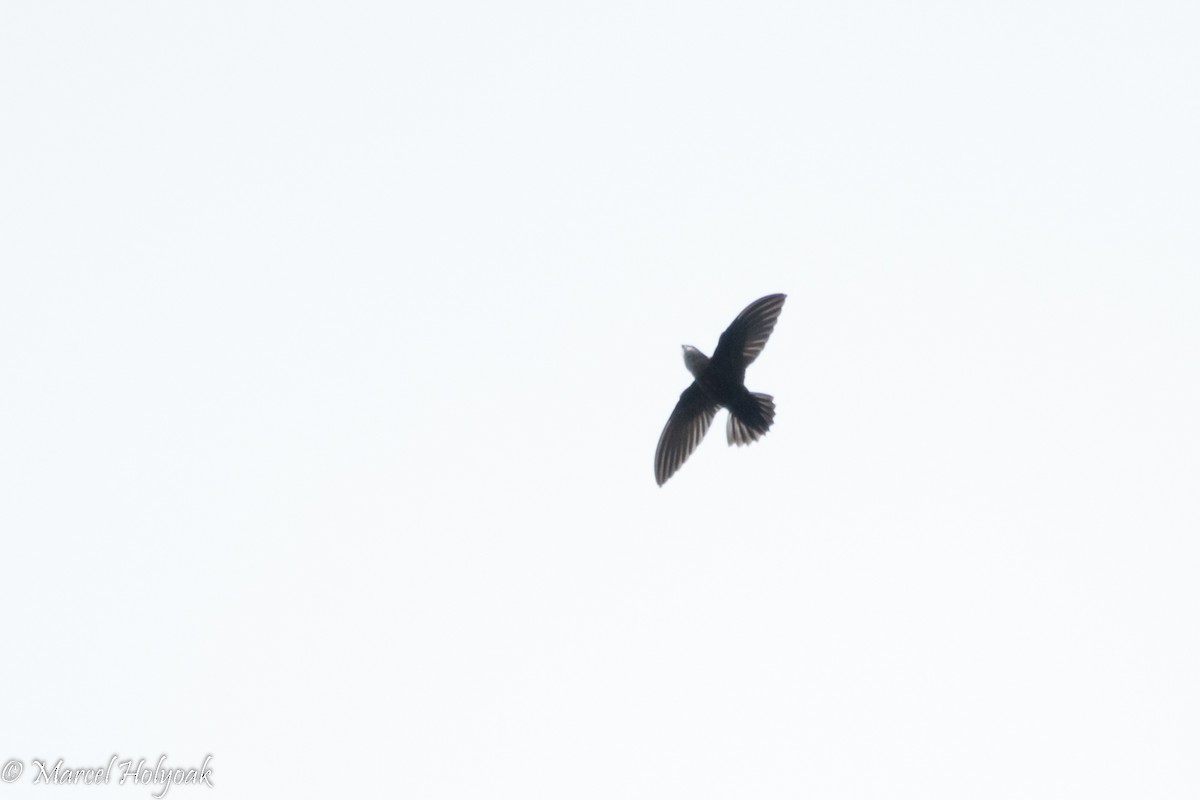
(720, 382)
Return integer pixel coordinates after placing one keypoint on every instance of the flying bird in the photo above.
(720, 382)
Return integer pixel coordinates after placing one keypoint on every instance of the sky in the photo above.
(336, 341)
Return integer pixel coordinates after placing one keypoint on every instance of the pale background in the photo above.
(336, 340)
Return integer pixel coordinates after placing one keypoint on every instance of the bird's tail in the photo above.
(750, 418)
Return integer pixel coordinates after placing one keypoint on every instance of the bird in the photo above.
(720, 382)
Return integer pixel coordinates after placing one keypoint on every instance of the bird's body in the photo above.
(720, 382)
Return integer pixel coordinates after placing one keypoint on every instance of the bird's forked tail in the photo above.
(750, 419)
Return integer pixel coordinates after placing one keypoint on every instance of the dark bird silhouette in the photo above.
(721, 383)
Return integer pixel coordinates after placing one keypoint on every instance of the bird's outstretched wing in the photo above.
(688, 423)
(747, 335)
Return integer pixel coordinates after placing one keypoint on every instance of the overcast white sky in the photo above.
(336, 340)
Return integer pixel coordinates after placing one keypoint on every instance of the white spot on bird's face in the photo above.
(694, 360)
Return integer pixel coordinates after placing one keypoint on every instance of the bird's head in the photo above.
(694, 360)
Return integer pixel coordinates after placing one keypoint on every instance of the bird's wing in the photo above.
(747, 335)
(688, 423)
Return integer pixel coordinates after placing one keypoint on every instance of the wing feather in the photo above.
(684, 431)
(747, 335)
